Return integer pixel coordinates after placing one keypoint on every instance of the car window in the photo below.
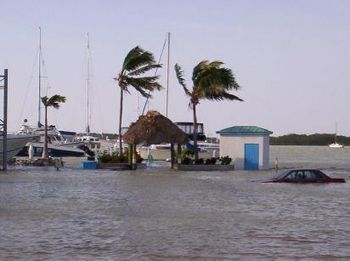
(312, 174)
(319, 175)
(300, 175)
(291, 176)
(309, 174)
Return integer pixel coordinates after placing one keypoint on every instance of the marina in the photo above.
(174, 131)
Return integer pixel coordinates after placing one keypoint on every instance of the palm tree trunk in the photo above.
(120, 122)
(45, 154)
(195, 132)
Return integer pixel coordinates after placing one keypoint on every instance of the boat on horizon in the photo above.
(335, 144)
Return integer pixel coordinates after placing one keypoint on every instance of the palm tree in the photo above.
(210, 81)
(136, 63)
(53, 101)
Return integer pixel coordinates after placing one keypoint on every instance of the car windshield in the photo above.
(281, 174)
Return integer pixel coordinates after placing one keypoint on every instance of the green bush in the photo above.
(211, 161)
(199, 161)
(115, 157)
(225, 160)
(186, 161)
(188, 152)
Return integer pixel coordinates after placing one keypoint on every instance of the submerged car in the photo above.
(304, 176)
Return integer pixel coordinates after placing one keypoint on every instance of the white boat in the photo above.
(15, 143)
(162, 151)
(335, 144)
(61, 143)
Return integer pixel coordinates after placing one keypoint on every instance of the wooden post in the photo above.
(178, 155)
(134, 159)
(4, 121)
(172, 156)
(130, 155)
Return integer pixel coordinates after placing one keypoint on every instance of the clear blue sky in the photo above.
(290, 57)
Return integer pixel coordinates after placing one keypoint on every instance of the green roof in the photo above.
(244, 130)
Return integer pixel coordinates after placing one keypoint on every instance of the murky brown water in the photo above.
(159, 214)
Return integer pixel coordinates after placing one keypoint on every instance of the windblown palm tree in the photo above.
(136, 63)
(210, 81)
(53, 101)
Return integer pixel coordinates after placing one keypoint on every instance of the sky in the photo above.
(291, 59)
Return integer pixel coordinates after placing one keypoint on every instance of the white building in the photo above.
(248, 146)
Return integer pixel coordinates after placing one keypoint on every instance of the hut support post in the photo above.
(178, 154)
(130, 152)
(172, 155)
(134, 157)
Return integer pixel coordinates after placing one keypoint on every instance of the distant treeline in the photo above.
(313, 139)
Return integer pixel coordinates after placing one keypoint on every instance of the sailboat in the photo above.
(91, 141)
(61, 143)
(335, 144)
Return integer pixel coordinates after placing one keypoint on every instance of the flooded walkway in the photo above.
(160, 214)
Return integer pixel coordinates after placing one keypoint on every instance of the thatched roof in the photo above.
(154, 128)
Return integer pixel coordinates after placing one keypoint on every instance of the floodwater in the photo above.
(162, 214)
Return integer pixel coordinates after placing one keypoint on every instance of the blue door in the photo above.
(251, 156)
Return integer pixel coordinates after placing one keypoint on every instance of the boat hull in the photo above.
(53, 150)
(336, 145)
(15, 143)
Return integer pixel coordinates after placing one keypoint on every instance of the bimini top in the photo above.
(244, 131)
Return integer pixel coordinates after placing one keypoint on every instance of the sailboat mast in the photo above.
(39, 80)
(336, 131)
(88, 87)
(167, 78)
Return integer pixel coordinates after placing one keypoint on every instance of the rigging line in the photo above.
(45, 76)
(155, 73)
(27, 87)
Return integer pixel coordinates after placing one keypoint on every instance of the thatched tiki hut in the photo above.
(154, 128)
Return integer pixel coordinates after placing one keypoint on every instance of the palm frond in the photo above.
(180, 78)
(217, 77)
(211, 81)
(198, 69)
(137, 58)
(142, 84)
(231, 97)
(142, 91)
(144, 69)
(55, 100)
(44, 100)
(222, 96)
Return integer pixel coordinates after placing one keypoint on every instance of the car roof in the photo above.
(301, 169)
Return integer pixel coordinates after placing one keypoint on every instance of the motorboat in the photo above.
(60, 143)
(92, 142)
